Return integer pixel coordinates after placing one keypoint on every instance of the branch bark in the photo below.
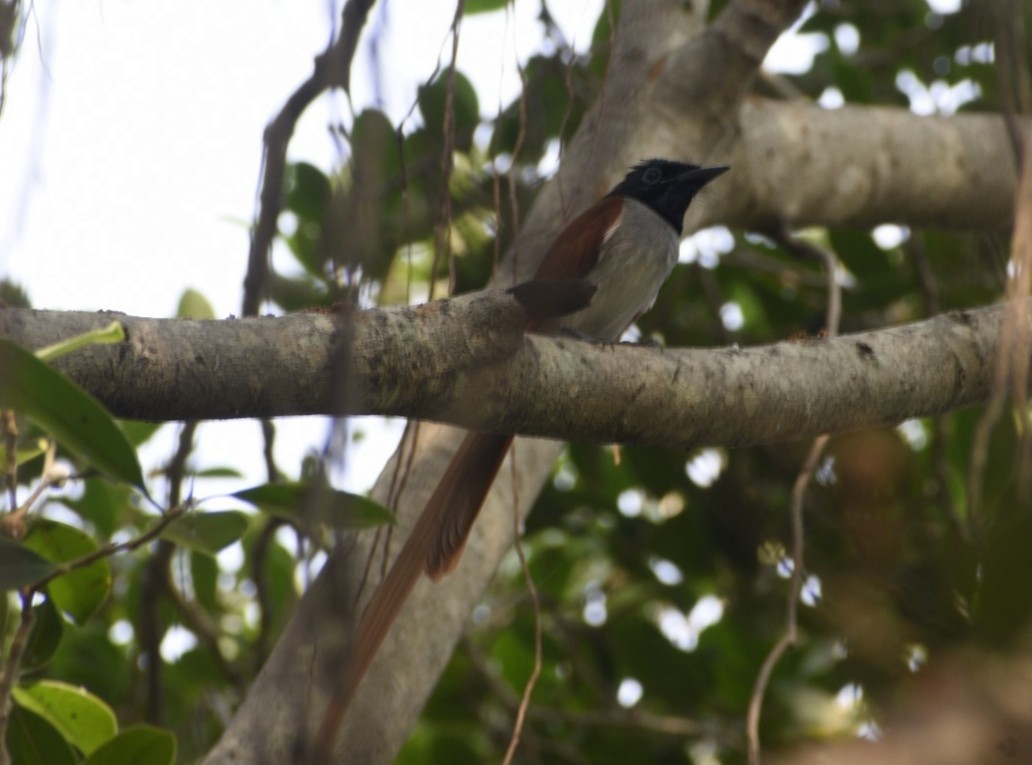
(861, 166)
(467, 362)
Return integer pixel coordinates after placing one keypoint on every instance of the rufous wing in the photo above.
(575, 252)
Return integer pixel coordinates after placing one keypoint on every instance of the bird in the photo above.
(625, 245)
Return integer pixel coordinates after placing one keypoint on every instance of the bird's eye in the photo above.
(652, 175)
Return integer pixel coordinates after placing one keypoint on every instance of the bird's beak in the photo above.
(700, 176)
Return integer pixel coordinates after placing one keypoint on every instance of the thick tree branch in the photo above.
(466, 361)
(861, 166)
(738, 39)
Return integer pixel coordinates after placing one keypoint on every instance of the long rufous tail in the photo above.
(434, 546)
(456, 502)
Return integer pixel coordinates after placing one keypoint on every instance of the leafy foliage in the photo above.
(60, 624)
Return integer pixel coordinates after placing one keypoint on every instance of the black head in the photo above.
(666, 186)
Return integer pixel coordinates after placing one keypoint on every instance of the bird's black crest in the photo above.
(667, 186)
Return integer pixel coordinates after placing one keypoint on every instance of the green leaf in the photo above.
(20, 566)
(280, 498)
(46, 635)
(103, 503)
(375, 136)
(343, 510)
(109, 335)
(297, 294)
(433, 100)
(204, 576)
(219, 472)
(277, 567)
(207, 532)
(65, 410)
(87, 657)
(139, 432)
(193, 305)
(308, 190)
(31, 740)
(78, 593)
(141, 745)
(23, 453)
(83, 720)
(13, 296)
(483, 6)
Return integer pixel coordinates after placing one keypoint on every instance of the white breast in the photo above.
(635, 261)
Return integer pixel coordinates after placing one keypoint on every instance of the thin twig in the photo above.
(272, 473)
(151, 630)
(1012, 357)
(10, 15)
(442, 227)
(259, 557)
(396, 484)
(611, 717)
(517, 150)
(799, 247)
(260, 552)
(399, 477)
(1011, 54)
(10, 426)
(111, 549)
(752, 260)
(795, 587)
(155, 584)
(571, 99)
(12, 669)
(496, 202)
(528, 689)
(666, 725)
(207, 630)
(1021, 285)
(403, 465)
(331, 69)
(12, 525)
(802, 248)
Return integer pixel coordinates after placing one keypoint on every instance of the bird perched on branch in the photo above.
(625, 245)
